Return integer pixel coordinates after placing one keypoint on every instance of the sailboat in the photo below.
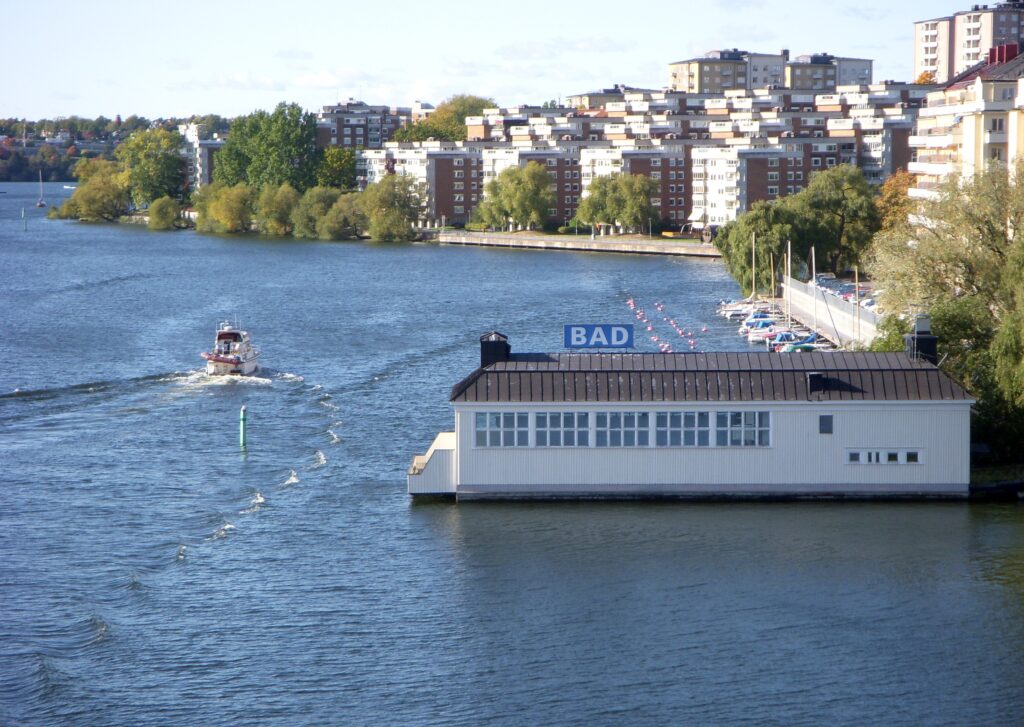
(41, 202)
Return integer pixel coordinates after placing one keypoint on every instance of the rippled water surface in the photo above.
(153, 573)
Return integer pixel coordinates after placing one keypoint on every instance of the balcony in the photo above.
(995, 137)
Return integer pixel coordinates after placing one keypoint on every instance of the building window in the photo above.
(682, 429)
(622, 429)
(825, 424)
(886, 456)
(853, 457)
(505, 429)
(552, 162)
(655, 162)
(656, 176)
(568, 429)
(773, 162)
(743, 429)
(459, 209)
(458, 162)
(815, 161)
(773, 176)
(773, 191)
(458, 174)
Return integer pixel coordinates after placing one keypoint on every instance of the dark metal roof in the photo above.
(636, 377)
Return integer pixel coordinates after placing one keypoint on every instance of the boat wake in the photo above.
(293, 478)
(254, 504)
(319, 460)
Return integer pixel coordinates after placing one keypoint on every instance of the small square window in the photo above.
(825, 424)
(892, 457)
(853, 457)
(913, 457)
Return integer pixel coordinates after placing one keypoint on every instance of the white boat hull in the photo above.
(242, 368)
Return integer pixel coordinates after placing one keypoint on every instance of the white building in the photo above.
(947, 46)
(577, 425)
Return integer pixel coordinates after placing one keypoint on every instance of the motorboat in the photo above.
(232, 353)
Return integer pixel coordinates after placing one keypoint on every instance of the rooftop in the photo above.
(733, 377)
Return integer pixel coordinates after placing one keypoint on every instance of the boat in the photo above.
(70, 186)
(232, 353)
(41, 202)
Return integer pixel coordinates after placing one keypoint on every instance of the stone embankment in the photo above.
(584, 243)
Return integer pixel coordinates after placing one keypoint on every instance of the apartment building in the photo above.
(821, 72)
(948, 46)
(199, 155)
(967, 125)
(721, 70)
(774, 139)
(357, 125)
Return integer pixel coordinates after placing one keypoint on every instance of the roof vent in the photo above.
(921, 344)
(494, 348)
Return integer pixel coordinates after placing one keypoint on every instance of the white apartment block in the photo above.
(948, 46)
(967, 126)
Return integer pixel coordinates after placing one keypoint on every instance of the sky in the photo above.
(231, 57)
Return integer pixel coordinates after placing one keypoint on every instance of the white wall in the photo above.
(799, 459)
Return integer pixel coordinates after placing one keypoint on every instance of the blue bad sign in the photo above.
(604, 335)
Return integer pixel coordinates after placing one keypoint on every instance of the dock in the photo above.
(584, 243)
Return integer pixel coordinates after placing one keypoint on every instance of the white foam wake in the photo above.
(293, 477)
(319, 459)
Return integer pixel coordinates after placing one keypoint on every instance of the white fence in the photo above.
(838, 320)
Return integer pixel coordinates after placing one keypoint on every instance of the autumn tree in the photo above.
(345, 220)
(448, 121)
(164, 213)
(894, 202)
(274, 209)
(925, 77)
(518, 196)
(220, 208)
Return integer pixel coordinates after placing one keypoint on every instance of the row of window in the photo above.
(884, 456)
(623, 429)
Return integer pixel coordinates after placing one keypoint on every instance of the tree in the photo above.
(154, 164)
(619, 199)
(894, 202)
(925, 77)
(311, 208)
(391, 207)
(163, 214)
(344, 220)
(840, 203)
(221, 208)
(270, 149)
(102, 193)
(274, 210)
(448, 121)
(763, 233)
(960, 260)
(337, 168)
(519, 195)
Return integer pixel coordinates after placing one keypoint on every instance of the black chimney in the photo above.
(493, 348)
(921, 344)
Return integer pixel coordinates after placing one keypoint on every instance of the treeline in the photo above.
(385, 211)
(447, 122)
(101, 128)
(55, 164)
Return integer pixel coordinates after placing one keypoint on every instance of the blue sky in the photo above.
(231, 57)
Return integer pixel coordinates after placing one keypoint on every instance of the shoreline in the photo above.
(580, 243)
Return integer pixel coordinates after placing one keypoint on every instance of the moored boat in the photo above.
(232, 353)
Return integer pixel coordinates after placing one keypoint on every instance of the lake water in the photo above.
(153, 573)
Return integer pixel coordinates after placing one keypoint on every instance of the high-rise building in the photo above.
(948, 46)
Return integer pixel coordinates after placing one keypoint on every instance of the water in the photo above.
(151, 573)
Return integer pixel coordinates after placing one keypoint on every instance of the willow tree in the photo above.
(519, 196)
(623, 200)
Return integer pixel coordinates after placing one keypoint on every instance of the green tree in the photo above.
(270, 149)
(391, 207)
(842, 204)
(164, 213)
(274, 210)
(344, 220)
(337, 168)
(154, 164)
(448, 120)
(763, 233)
(311, 209)
(619, 199)
(520, 195)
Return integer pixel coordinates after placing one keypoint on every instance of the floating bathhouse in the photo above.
(714, 425)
